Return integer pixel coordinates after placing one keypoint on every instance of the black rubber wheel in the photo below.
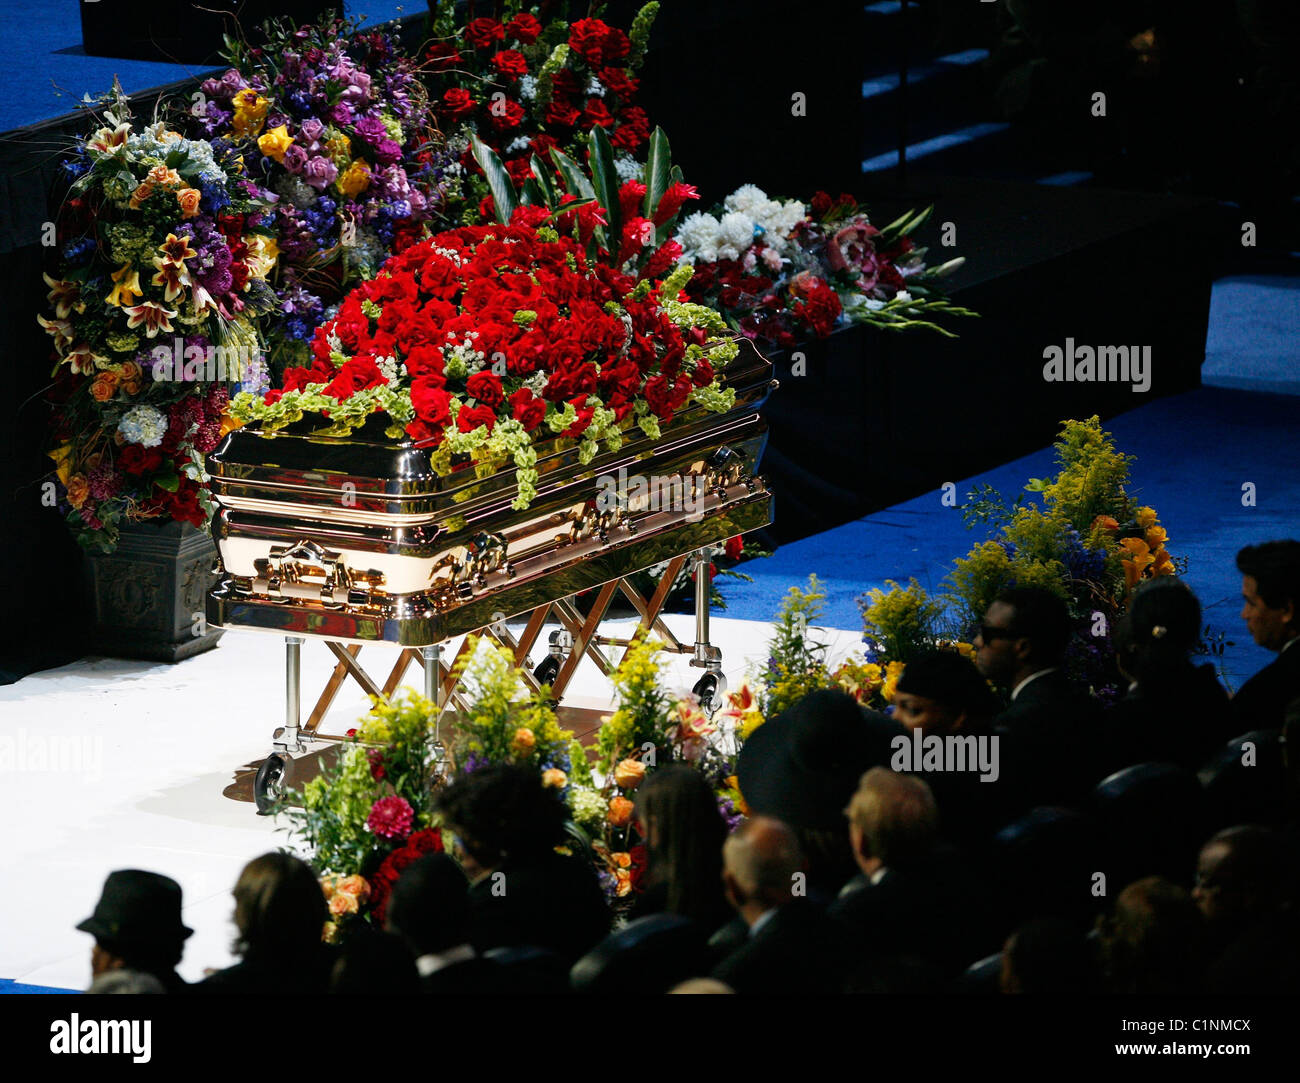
(710, 689)
(271, 782)
(547, 670)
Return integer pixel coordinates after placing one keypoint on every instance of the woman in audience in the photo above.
(280, 915)
(1175, 711)
(1153, 941)
(684, 833)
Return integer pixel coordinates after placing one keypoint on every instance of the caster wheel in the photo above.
(710, 689)
(271, 782)
(547, 670)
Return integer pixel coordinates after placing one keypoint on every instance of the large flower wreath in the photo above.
(483, 340)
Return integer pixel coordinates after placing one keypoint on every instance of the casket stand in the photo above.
(356, 540)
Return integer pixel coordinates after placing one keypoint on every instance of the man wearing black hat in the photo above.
(137, 926)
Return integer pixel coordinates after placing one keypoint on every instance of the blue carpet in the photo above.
(7, 986)
(56, 71)
(1194, 452)
(1254, 339)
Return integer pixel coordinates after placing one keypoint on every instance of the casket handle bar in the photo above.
(292, 566)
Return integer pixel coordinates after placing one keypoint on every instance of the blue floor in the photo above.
(7, 986)
(56, 71)
(1195, 451)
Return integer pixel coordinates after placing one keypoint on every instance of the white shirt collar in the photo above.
(878, 875)
(432, 963)
(763, 919)
(1020, 687)
(1290, 643)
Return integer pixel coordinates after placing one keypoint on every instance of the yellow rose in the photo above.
(1146, 517)
(629, 774)
(554, 778)
(1156, 538)
(524, 741)
(78, 490)
(250, 112)
(189, 198)
(620, 811)
(275, 142)
(355, 179)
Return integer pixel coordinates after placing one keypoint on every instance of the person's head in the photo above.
(1153, 940)
(893, 820)
(137, 924)
(280, 909)
(377, 964)
(429, 905)
(1160, 629)
(1025, 629)
(761, 867)
(1270, 587)
(125, 982)
(1242, 873)
(1047, 955)
(501, 814)
(941, 692)
(684, 832)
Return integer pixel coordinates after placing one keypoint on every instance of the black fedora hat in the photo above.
(803, 765)
(137, 908)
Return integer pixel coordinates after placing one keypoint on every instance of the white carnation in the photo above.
(747, 199)
(698, 235)
(735, 231)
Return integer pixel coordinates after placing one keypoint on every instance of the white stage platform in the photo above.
(109, 764)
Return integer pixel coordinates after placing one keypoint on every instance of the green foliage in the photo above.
(643, 706)
(902, 620)
(987, 570)
(796, 664)
(1092, 478)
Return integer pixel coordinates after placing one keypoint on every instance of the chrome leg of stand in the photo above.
(433, 692)
(290, 738)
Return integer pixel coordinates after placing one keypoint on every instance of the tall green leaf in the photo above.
(499, 183)
(605, 181)
(657, 165)
(544, 181)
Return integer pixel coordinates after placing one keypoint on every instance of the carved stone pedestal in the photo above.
(148, 595)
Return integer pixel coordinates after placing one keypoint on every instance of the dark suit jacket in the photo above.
(469, 977)
(1260, 703)
(799, 951)
(255, 974)
(1183, 719)
(1052, 744)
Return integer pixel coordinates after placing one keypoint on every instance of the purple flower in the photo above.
(295, 158)
(312, 129)
(319, 173)
(341, 113)
(371, 129)
(387, 151)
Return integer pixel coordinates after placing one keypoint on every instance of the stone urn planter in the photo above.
(148, 595)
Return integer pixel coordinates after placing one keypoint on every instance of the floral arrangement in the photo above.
(484, 339)
(523, 87)
(781, 271)
(367, 815)
(337, 124)
(154, 315)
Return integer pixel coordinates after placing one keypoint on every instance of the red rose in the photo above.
(510, 62)
(814, 303)
(430, 402)
(821, 203)
(524, 28)
(527, 408)
(458, 103)
(587, 39)
(597, 114)
(484, 32)
(442, 56)
(734, 547)
(620, 82)
(355, 375)
(138, 460)
(561, 113)
(471, 417)
(506, 115)
(486, 387)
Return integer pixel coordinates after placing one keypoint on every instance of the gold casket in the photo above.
(356, 539)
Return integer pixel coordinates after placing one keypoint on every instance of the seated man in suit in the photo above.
(429, 910)
(1051, 738)
(792, 947)
(1270, 585)
(917, 911)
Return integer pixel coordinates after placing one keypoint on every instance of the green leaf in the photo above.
(605, 178)
(503, 190)
(532, 193)
(171, 482)
(545, 181)
(657, 165)
(575, 180)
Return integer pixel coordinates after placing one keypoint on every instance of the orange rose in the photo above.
(343, 904)
(143, 192)
(355, 885)
(624, 882)
(620, 812)
(554, 778)
(104, 386)
(524, 741)
(629, 774)
(622, 859)
(328, 885)
(189, 198)
(78, 490)
(163, 177)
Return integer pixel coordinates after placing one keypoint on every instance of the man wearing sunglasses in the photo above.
(1051, 741)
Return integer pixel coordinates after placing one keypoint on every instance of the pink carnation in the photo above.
(391, 818)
